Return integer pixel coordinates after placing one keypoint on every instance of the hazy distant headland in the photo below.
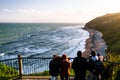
(109, 25)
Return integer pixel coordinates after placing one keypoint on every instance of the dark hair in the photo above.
(79, 53)
(64, 56)
(55, 56)
(93, 53)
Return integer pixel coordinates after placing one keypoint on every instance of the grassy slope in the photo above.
(7, 72)
(109, 25)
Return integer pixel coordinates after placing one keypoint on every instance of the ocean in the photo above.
(41, 39)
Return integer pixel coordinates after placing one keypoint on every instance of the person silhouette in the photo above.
(91, 65)
(54, 67)
(65, 68)
(79, 66)
(99, 67)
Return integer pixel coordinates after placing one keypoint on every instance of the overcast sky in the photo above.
(55, 10)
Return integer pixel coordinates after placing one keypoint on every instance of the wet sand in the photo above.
(95, 42)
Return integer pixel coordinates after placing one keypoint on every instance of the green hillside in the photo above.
(109, 25)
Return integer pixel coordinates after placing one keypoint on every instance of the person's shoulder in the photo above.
(98, 62)
(90, 61)
(52, 60)
(76, 58)
(83, 58)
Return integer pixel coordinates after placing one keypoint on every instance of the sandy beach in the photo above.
(95, 42)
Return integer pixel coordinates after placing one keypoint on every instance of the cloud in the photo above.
(34, 15)
(8, 10)
(20, 11)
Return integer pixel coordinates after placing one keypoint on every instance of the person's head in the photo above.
(64, 56)
(55, 56)
(93, 53)
(98, 54)
(79, 54)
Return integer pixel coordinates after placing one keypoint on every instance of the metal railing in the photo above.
(35, 65)
(27, 66)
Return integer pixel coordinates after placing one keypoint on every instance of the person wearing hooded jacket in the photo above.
(54, 67)
(65, 68)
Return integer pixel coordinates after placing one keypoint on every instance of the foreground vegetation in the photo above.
(112, 67)
(109, 25)
(7, 72)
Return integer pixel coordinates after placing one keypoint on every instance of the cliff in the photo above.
(109, 25)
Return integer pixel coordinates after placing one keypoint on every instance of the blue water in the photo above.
(41, 39)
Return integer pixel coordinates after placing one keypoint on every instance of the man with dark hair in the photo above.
(79, 66)
(54, 67)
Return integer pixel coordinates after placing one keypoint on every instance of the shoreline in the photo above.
(94, 42)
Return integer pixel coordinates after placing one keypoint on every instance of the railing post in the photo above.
(20, 65)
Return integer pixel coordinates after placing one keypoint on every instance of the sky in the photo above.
(56, 11)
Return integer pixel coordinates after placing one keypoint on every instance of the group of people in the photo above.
(61, 65)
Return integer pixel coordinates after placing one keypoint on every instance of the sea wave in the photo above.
(64, 40)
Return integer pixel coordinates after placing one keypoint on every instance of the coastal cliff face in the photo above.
(109, 25)
(95, 42)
